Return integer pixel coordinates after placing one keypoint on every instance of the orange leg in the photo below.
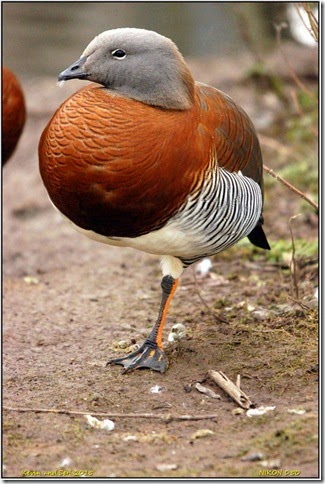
(150, 354)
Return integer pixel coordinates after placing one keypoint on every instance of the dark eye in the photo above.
(119, 54)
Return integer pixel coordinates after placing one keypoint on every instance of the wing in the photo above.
(236, 144)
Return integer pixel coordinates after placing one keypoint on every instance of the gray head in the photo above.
(139, 64)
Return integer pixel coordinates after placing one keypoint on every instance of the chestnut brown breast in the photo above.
(122, 168)
(13, 113)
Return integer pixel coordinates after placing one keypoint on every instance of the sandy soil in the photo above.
(69, 302)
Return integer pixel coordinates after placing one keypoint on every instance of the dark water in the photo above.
(42, 38)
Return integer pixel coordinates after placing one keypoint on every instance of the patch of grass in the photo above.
(278, 435)
(279, 351)
(281, 250)
(294, 349)
(288, 439)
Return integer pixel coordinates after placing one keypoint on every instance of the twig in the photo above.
(291, 187)
(293, 262)
(299, 303)
(313, 29)
(230, 388)
(166, 417)
(295, 100)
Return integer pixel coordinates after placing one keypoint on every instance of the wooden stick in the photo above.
(166, 417)
(291, 187)
(230, 388)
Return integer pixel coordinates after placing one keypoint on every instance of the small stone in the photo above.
(177, 333)
(155, 389)
(207, 391)
(201, 433)
(261, 314)
(100, 424)
(252, 412)
(238, 411)
(65, 462)
(122, 344)
(271, 464)
(130, 438)
(125, 346)
(31, 280)
(166, 467)
(254, 456)
(294, 411)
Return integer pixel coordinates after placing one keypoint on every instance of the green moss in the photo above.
(282, 250)
(308, 102)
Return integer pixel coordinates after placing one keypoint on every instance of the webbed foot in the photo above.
(149, 355)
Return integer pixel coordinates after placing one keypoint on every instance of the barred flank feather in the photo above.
(226, 209)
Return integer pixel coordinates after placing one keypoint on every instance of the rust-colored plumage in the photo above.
(126, 175)
(148, 158)
(13, 113)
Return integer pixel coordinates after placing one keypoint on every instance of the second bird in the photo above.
(150, 159)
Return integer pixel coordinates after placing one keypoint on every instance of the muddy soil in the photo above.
(69, 302)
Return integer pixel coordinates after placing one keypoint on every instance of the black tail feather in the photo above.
(258, 238)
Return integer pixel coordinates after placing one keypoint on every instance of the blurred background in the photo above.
(41, 38)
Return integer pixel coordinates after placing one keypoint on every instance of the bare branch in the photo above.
(291, 187)
(165, 417)
(313, 28)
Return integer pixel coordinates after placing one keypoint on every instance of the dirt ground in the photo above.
(68, 302)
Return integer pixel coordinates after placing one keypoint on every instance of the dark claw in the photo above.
(147, 356)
